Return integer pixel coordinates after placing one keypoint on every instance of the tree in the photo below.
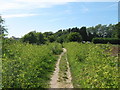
(75, 37)
(83, 33)
(30, 37)
(47, 34)
(62, 38)
(51, 38)
(117, 30)
(75, 29)
(109, 32)
(34, 37)
(40, 38)
(3, 30)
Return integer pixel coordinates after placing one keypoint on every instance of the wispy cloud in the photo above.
(26, 4)
(18, 15)
(20, 5)
(31, 4)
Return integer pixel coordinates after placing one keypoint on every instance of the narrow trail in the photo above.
(55, 81)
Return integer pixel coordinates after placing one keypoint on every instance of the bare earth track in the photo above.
(55, 82)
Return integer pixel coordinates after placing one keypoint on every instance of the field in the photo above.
(92, 65)
(31, 66)
(28, 66)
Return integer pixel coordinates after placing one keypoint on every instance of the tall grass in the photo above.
(28, 66)
(91, 66)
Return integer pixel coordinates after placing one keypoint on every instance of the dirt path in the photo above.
(55, 81)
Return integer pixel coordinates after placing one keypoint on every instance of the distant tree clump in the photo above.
(33, 38)
(74, 34)
(74, 37)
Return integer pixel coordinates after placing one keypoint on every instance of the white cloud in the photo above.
(19, 5)
(25, 4)
(31, 4)
(18, 15)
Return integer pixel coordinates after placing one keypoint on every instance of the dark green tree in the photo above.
(117, 30)
(3, 30)
(40, 38)
(34, 37)
(74, 37)
(83, 33)
(51, 38)
(30, 37)
(47, 34)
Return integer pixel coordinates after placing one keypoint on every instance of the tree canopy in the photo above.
(3, 30)
(74, 34)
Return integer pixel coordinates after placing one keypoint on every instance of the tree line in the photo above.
(74, 34)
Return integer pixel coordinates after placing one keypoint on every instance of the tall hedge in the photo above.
(106, 40)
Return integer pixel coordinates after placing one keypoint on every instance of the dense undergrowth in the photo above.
(91, 66)
(27, 65)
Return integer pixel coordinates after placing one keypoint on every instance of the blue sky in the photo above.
(23, 16)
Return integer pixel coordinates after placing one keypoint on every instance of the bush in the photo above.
(28, 66)
(106, 40)
(91, 66)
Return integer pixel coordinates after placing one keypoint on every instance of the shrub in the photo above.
(106, 40)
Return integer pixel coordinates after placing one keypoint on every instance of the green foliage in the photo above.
(91, 66)
(74, 36)
(3, 30)
(63, 69)
(106, 40)
(83, 33)
(33, 38)
(51, 38)
(117, 30)
(55, 48)
(40, 38)
(28, 66)
(65, 35)
(102, 31)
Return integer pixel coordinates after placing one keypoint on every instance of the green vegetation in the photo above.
(63, 69)
(92, 66)
(106, 40)
(74, 34)
(30, 61)
(33, 38)
(3, 30)
(28, 66)
(76, 37)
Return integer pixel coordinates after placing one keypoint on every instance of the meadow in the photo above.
(92, 65)
(28, 66)
(31, 66)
